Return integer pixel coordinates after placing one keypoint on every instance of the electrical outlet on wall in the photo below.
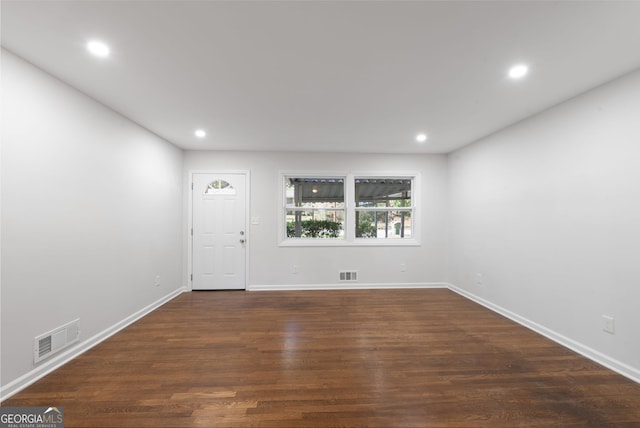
(608, 324)
(157, 282)
(479, 280)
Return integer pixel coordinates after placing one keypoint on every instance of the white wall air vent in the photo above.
(56, 340)
(349, 276)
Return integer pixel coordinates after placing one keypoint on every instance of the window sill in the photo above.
(362, 242)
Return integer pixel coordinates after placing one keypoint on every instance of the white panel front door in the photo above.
(219, 235)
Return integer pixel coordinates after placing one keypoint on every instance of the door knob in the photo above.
(242, 241)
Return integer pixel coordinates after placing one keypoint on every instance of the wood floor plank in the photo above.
(385, 358)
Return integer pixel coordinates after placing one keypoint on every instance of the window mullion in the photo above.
(350, 216)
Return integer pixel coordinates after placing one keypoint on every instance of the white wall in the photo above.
(548, 211)
(91, 213)
(272, 266)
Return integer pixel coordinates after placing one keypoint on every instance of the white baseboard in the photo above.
(600, 358)
(345, 286)
(45, 368)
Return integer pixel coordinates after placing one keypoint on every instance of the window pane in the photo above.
(383, 192)
(219, 187)
(383, 224)
(315, 224)
(309, 192)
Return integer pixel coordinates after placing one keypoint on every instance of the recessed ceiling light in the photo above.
(200, 133)
(98, 48)
(421, 138)
(518, 71)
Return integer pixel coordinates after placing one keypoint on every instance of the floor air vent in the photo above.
(348, 276)
(56, 340)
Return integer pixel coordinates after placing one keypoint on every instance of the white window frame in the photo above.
(350, 239)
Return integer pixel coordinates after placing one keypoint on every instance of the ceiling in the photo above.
(338, 76)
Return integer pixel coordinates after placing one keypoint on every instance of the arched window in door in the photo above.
(219, 187)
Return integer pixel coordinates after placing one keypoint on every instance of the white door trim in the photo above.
(247, 229)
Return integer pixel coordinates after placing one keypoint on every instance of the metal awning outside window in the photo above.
(332, 189)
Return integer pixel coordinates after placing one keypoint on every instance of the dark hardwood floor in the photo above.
(385, 358)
